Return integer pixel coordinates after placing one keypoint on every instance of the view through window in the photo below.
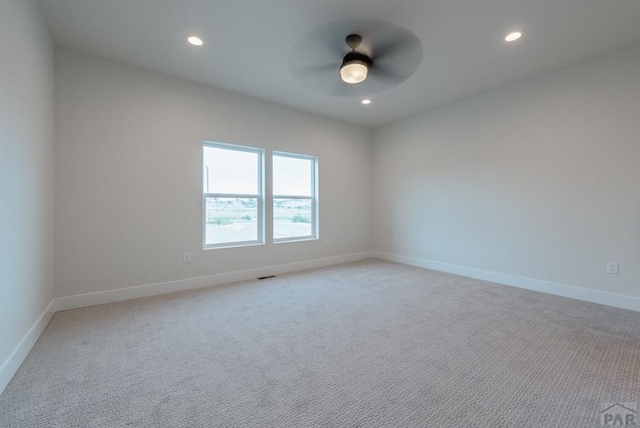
(294, 201)
(234, 196)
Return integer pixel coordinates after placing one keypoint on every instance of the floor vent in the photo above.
(267, 277)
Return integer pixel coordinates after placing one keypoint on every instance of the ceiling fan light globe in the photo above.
(354, 72)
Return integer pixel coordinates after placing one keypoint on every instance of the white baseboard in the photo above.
(11, 365)
(110, 296)
(564, 290)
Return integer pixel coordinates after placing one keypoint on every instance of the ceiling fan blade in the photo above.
(392, 71)
(385, 72)
(323, 44)
(397, 58)
(397, 50)
(330, 42)
(313, 69)
(393, 47)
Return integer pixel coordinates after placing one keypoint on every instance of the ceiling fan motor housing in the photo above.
(352, 57)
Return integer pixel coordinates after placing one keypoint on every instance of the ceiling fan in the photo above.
(373, 57)
(355, 65)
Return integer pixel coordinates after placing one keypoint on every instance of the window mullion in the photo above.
(292, 197)
(231, 195)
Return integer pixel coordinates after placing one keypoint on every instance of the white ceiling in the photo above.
(248, 43)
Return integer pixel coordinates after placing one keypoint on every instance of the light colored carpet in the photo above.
(366, 344)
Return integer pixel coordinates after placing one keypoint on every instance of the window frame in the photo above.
(313, 198)
(260, 239)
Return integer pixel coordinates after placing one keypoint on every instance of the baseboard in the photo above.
(13, 362)
(564, 290)
(11, 365)
(110, 296)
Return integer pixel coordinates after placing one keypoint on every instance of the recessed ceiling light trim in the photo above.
(366, 101)
(195, 41)
(513, 36)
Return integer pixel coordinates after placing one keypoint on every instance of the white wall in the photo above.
(26, 177)
(539, 180)
(129, 176)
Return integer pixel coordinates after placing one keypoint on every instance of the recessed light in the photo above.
(195, 41)
(366, 101)
(512, 37)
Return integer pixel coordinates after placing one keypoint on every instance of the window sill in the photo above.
(233, 245)
(289, 240)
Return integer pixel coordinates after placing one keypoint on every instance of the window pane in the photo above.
(231, 220)
(292, 176)
(230, 171)
(291, 218)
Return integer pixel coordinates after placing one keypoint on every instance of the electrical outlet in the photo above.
(186, 258)
(327, 242)
(612, 268)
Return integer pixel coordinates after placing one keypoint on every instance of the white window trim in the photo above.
(260, 198)
(313, 198)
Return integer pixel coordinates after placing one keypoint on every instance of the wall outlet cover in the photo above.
(612, 268)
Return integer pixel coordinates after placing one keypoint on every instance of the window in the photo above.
(233, 195)
(294, 197)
